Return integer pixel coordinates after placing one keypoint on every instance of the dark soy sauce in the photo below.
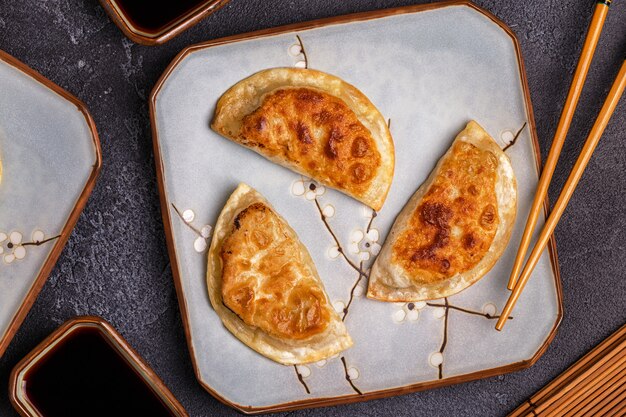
(85, 376)
(155, 15)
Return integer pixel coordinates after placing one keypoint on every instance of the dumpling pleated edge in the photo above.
(332, 340)
(247, 95)
(384, 273)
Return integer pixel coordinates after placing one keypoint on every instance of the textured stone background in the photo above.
(116, 266)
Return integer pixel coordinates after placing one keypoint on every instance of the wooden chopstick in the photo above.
(572, 181)
(601, 366)
(601, 400)
(585, 387)
(580, 75)
(592, 393)
(615, 407)
(577, 383)
(592, 386)
(562, 381)
(605, 398)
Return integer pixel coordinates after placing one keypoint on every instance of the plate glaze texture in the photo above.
(50, 157)
(429, 70)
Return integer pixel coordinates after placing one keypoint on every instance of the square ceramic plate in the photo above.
(429, 69)
(50, 160)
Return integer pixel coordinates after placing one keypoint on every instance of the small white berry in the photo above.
(304, 370)
(353, 373)
(188, 215)
(297, 188)
(200, 244)
(399, 316)
(38, 236)
(436, 359)
(333, 252)
(328, 211)
(295, 50)
(205, 232)
(19, 252)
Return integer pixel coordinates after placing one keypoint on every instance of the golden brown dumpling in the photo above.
(454, 228)
(314, 124)
(264, 285)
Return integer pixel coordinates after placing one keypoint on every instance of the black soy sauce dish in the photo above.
(154, 22)
(86, 368)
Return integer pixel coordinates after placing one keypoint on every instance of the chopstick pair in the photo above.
(593, 35)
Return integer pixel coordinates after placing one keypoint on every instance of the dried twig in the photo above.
(301, 379)
(512, 142)
(306, 58)
(345, 369)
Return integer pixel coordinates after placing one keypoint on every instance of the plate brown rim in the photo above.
(165, 212)
(45, 270)
(144, 370)
(166, 34)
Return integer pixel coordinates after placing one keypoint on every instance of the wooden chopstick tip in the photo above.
(499, 326)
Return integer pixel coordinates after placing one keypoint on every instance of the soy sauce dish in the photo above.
(86, 368)
(153, 22)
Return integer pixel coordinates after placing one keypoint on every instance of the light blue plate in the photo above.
(50, 157)
(430, 72)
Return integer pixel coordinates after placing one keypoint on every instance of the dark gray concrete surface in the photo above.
(116, 265)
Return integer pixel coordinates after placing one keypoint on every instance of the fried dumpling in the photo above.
(454, 228)
(264, 285)
(314, 124)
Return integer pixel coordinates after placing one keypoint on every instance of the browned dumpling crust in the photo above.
(454, 228)
(317, 132)
(265, 288)
(265, 281)
(314, 124)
